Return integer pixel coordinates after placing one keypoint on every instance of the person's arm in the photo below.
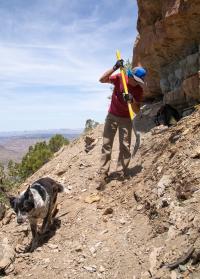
(105, 78)
(135, 105)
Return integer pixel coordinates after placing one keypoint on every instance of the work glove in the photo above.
(118, 64)
(128, 97)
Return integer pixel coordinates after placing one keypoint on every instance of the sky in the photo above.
(52, 54)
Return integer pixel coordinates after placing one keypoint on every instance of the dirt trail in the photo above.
(131, 230)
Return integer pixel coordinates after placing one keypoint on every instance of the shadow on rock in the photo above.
(134, 171)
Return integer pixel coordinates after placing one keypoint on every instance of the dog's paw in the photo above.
(44, 231)
(33, 245)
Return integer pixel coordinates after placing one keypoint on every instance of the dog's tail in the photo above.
(61, 188)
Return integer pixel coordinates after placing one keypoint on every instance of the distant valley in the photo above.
(14, 145)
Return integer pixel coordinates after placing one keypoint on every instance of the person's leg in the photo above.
(125, 132)
(110, 129)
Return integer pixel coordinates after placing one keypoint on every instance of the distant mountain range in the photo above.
(15, 144)
(43, 133)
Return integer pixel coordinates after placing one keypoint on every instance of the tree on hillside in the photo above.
(2, 174)
(2, 184)
(12, 176)
(89, 125)
(56, 142)
(39, 154)
(36, 157)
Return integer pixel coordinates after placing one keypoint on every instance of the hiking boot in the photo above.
(101, 181)
(126, 173)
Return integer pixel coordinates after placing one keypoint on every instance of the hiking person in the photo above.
(118, 117)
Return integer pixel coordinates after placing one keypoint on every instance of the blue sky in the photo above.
(52, 53)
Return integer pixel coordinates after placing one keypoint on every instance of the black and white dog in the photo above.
(37, 202)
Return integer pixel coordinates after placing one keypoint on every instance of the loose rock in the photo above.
(92, 198)
(108, 211)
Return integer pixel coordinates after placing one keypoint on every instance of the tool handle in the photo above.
(131, 113)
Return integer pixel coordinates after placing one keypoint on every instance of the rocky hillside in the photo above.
(168, 44)
(144, 226)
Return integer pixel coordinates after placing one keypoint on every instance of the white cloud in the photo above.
(60, 50)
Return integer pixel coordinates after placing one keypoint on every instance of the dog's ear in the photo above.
(12, 200)
(27, 193)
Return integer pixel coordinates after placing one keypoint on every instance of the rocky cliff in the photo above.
(168, 44)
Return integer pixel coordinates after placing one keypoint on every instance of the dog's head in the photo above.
(22, 205)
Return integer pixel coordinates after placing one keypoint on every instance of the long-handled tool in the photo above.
(137, 135)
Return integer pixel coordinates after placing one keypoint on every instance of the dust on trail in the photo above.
(133, 228)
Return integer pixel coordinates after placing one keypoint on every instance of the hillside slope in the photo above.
(132, 229)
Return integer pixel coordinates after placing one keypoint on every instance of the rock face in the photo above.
(168, 45)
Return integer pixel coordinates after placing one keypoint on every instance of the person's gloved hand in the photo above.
(118, 64)
(128, 97)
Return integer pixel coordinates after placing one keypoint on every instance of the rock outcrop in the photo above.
(168, 44)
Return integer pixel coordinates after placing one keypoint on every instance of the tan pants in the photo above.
(124, 125)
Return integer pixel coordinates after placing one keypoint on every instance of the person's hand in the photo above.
(128, 97)
(118, 64)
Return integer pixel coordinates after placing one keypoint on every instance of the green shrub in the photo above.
(89, 125)
(56, 142)
(35, 158)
